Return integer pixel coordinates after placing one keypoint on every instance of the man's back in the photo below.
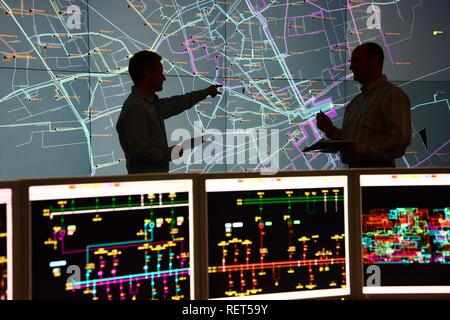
(142, 134)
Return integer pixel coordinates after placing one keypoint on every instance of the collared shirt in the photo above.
(141, 129)
(378, 120)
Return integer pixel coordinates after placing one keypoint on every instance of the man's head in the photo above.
(146, 70)
(367, 62)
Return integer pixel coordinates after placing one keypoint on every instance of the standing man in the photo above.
(140, 126)
(378, 120)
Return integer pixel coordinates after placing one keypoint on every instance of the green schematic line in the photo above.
(138, 204)
(256, 201)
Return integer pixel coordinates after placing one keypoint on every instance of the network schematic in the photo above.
(125, 240)
(288, 241)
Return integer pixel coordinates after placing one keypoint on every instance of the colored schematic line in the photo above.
(273, 244)
(407, 235)
(156, 266)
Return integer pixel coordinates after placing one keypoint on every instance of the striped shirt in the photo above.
(378, 120)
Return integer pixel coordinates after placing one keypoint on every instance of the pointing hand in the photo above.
(212, 90)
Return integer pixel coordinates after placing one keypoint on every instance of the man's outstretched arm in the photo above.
(169, 107)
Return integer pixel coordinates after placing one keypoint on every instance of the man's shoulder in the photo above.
(389, 89)
(134, 101)
(393, 87)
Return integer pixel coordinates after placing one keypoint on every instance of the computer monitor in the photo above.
(406, 233)
(6, 248)
(283, 237)
(112, 240)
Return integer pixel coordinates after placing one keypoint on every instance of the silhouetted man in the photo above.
(378, 120)
(141, 129)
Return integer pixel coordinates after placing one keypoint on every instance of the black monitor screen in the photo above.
(405, 224)
(5, 244)
(277, 238)
(112, 241)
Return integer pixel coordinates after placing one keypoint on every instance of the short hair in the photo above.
(375, 51)
(141, 61)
